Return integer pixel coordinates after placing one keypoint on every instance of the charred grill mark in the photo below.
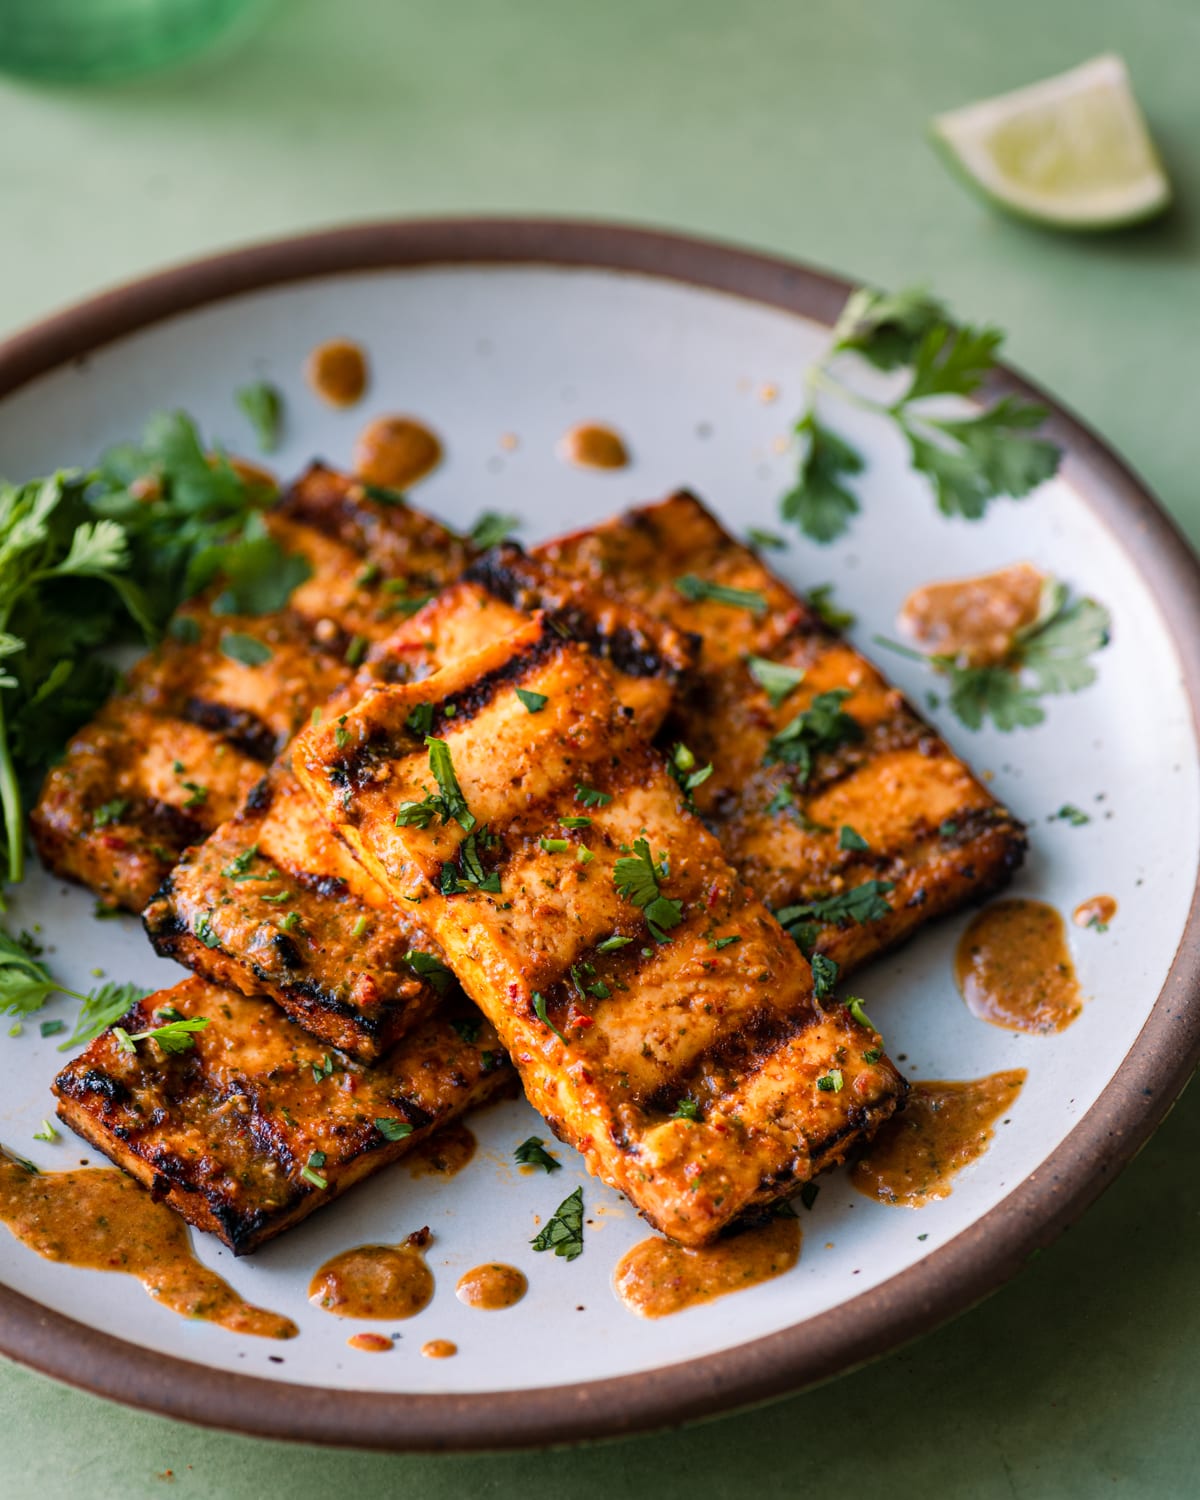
(331, 886)
(259, 797)
(242, 728)
(730, 1059)
(509, 575)
(94, 1082)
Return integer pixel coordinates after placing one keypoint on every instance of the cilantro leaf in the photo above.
(886, 328)
(101, 1009)
(824, 973)
(491, 528)
(821, 599)
(533, 1153)
(392, 1129)
(819, 502)
(247, 650)
(262, 403)
(563, 1231)
(822, 726)
(532, 702)
(861, 904)
(174, 1037)
(775, 678)
(637, 880)
(700, 590)
(442, 766)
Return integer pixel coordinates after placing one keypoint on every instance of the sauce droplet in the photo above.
(439, 1349)
(1096, 911)
(658, 1277)
(944, 1127)
(394, 452)
(592, 446)
(975, 620)
(1014, 969)
(444, 1154)
(102, 1220)
(370, 1343)
(492, 1286)
(375, 1281)
(337, 371)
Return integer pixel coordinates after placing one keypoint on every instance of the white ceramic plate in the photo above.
(506, 341)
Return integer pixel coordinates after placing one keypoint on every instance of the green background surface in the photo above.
(796, 127)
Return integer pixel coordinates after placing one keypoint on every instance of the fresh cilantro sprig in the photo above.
(26, 984)
(1049, 656)
(637, 880)
(968, 459)
(262, 404)
(533, 1153)
(88, 560)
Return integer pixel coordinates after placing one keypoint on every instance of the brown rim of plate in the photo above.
(950, 1279)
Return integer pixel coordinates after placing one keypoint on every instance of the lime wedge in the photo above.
(1073, 151)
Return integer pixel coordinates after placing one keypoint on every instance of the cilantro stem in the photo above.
(10, 804)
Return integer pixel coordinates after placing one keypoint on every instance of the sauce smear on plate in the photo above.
(974, 620)
(394, 452)
(492, 1286)
(337, 371)
(439, 1349)
(593, 446)
(658, 1277)
(1014, 969)
(370, 1343)
(944, 1127)
(375, 1281)
(444, 1154)
(103, 1220)
(1096, 911)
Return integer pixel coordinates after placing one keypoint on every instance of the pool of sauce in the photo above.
(492, 1286)
(658, 1277)
(974, 620)
(370, 1343)
(380, 1282)
(394, 452)
(591, 445)
(102, 1220)
(337, 371)
(1014, 969)
(444, 1154)
(1096, 911)
(944, 1127)
(439, 1349)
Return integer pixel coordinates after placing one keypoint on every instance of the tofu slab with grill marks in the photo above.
(932, 832)
(339, 966)
(174, 754)
(258, 1124)
(660, 1018)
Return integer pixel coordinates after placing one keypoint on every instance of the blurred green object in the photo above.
(80, 41)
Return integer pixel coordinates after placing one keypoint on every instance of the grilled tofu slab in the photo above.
(174, 754)
(258, 1125)
(660, 1018)
(926, 836)
(273, 903)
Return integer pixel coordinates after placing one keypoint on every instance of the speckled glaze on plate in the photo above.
(488, 329)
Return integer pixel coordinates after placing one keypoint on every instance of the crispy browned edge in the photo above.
(945, 1282)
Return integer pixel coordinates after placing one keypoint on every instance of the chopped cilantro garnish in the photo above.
(808, 1194)
(309, 1171)
(467, 1028)
(873, 1055)
(393, 1130)
(533, 702)
(430, 967)
(290, 922)
(1073, 815)
(492, 527)
(247, 650)
(532, 1153)
(849, 839)
(775, 678)
(686, 1109)
(824, 973)
(821, 599)
(46, 1133)
(204, 930)
(831, 1082)
(611, 944)
(863, 903)
(420, 719)
(263, 404)
(682, 766)
(575, 822)
(110, 812)
(563, 1231)
(539, 1010)
(52, 1028)
(361, 923)
(637, 880)
(589, 797)
(855, 1006)
(702, 589)
(822, 727)
(174, 1037)
(554, 846)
